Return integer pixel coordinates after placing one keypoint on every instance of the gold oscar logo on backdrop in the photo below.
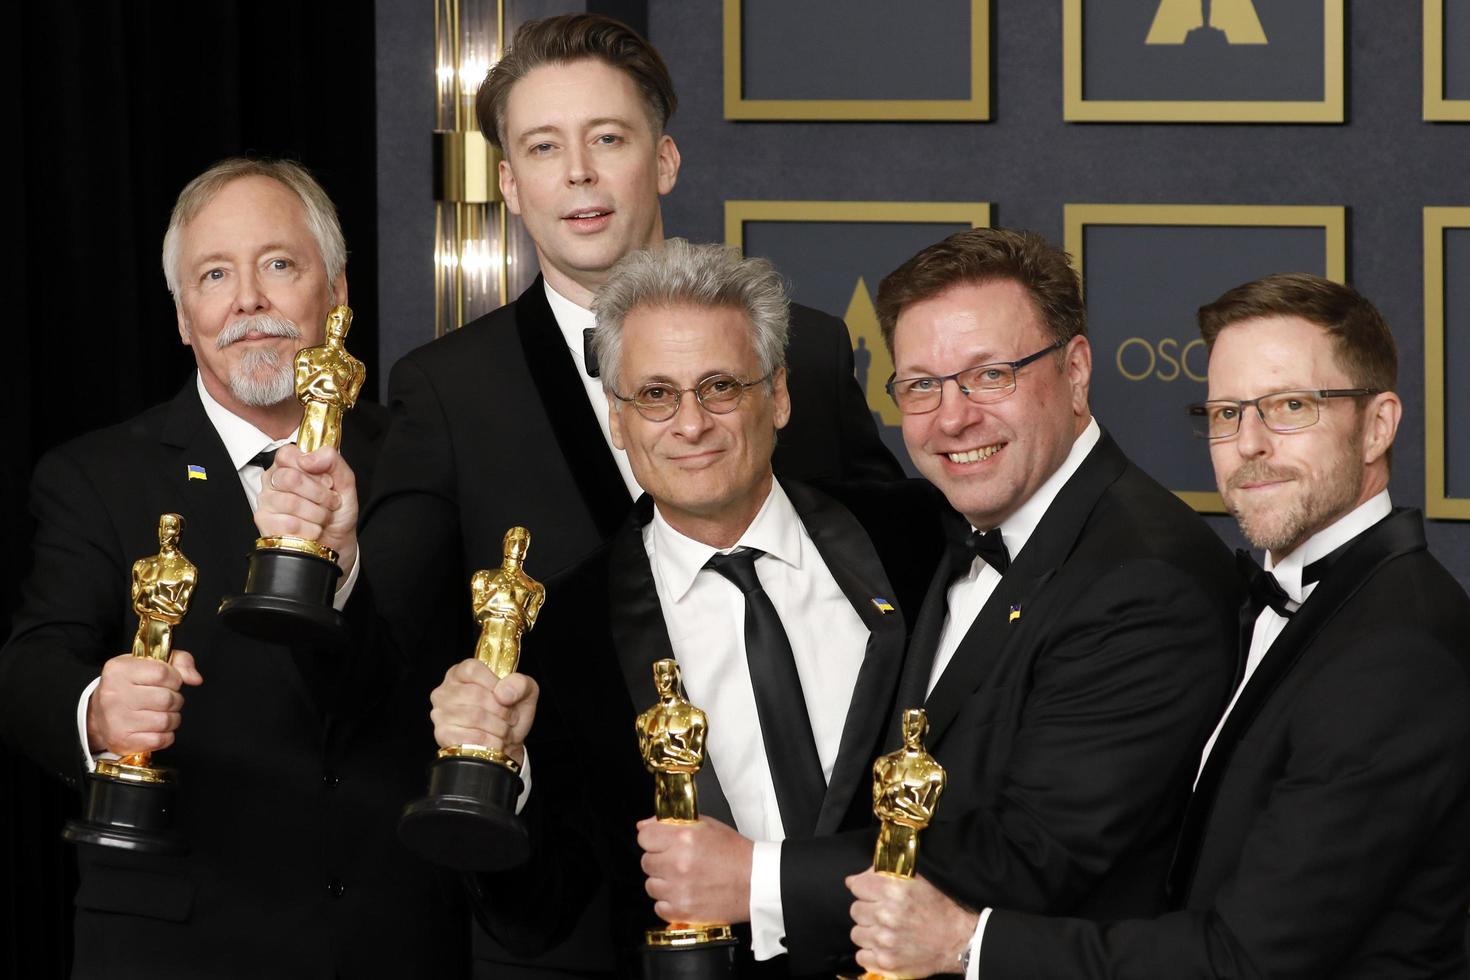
(1139, 359)
(1188, 21)
(871, 360)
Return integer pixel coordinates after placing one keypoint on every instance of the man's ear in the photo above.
(668, 164)
(1384, 413)
(780, 398)
(614, 421)
(1078, 367)
(508, 189)
(183, 324)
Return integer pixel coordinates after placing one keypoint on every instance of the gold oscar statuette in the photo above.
(129, 800)
(906, 789)
(292, 580)
(671, 736)
(506, 603)
(468, 821)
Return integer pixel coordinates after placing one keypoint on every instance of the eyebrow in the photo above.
(554, 129)
(224, 257)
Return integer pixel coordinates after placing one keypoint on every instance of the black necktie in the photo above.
(791, 749)
(987, 545)
(263, 459)
(588, 354)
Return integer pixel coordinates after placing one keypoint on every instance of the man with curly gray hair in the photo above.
(781, 610)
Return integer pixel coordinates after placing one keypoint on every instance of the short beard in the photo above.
(1281, 532)
(261, 378)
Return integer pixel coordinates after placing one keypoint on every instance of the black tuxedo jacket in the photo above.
(1328, 833)
(1071, 716)
(288, 791)
(580, 907)
(490, 428)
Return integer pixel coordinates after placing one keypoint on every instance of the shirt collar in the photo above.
(677, 558)
(572, 320)
(1289, 570)
(242, 440)
(1016, 530)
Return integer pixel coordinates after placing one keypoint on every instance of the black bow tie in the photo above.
(588, 354)
(263, 459)
(987, 545)
(1266, 591)
(1262, 587)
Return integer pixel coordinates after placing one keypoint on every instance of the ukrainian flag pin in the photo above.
(883, 605)
(196, 472)
(1015, 612)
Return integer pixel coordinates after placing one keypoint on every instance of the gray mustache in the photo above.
(265, 323)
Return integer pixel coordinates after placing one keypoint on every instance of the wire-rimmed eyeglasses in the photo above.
(1280, 411)
(718, 394)
(980, 384)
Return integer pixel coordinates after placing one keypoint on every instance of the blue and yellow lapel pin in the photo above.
(1015, 613)
(883, 605)
(196, 472)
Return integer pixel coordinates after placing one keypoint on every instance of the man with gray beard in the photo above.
(287, 798)
(1326, 832)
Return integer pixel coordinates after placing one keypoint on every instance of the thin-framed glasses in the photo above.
(980, 384)
(719, 394)
(1280, 411)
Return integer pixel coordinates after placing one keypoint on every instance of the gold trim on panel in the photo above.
(1077, 108)
(1437, 108)
(1437, 504)
(737, 213)
(1331, 218)
(974, 108)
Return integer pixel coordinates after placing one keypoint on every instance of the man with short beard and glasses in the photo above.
(287, 798)
(1326, 834)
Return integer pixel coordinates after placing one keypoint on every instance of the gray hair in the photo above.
(681, 274)
(321, 214)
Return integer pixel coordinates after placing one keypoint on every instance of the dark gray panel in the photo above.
(1144, 284)
(856, 49)
(1117, 64)
(823, 259)
(1457, 49)
(1456, 361)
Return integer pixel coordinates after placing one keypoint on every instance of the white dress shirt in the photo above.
(573, 319)
(968, 595)
(242, 442)
(1288, 573)
(705, 617)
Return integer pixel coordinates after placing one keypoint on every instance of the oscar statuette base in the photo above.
(131, 809)
(689, 953)
(288, 594)
(468, 820)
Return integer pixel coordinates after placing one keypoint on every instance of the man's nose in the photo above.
(580, 169)
(250, 296)
(690, 418)
(1253, 439)
(955, 411)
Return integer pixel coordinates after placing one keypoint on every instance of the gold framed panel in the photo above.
(1078, 108)
(972, 109)
(1331, 218)
(1437, 502)
(1437, 108)
(872, 362)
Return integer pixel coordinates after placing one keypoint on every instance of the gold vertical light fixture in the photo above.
(470, 258)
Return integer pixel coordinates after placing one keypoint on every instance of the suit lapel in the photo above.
(641, 637)
(225, 520)
(849, 556)
(578, 434)
(1049, 545)
(1398, 534)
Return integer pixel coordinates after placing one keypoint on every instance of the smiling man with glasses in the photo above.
(1326, 832)
(1077, 641)
(786, 618)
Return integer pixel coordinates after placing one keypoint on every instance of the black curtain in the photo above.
(113, 106)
